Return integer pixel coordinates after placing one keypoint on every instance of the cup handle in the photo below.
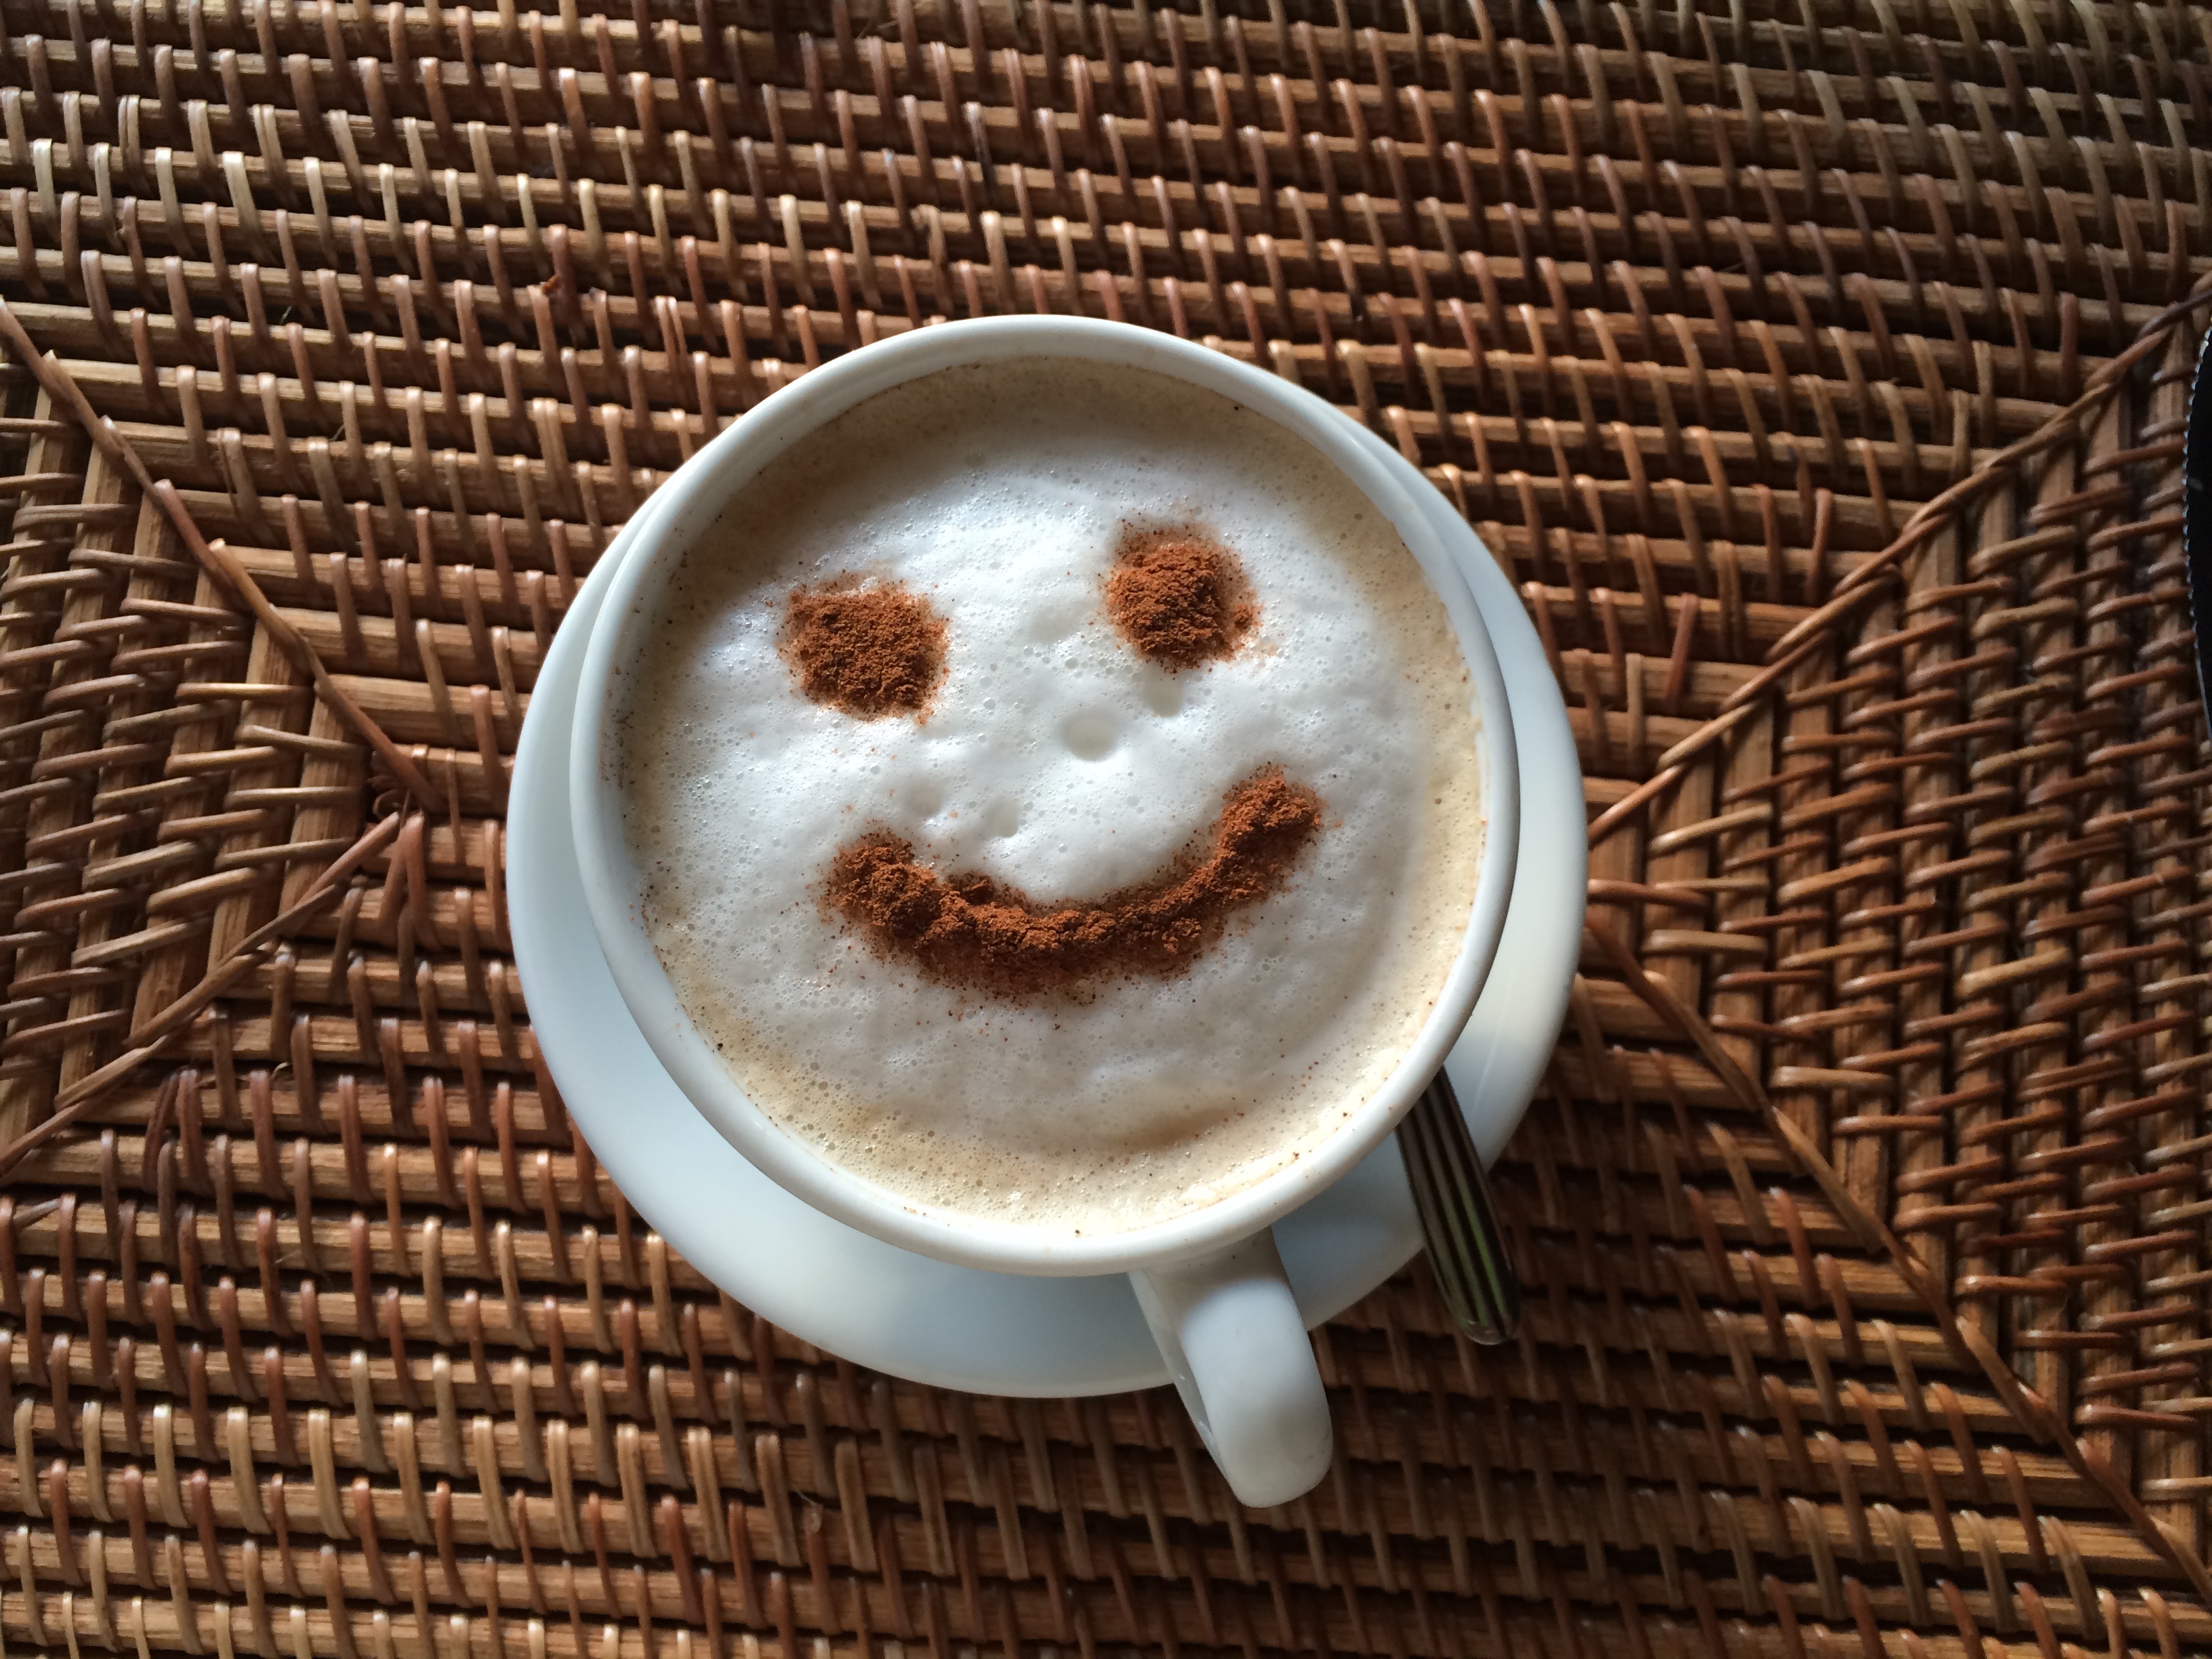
(1229, 1331)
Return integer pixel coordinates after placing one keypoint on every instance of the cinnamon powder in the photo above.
(870, 651)
(1180, 599)
(970, 931)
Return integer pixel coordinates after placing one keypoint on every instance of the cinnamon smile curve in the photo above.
(970, 931)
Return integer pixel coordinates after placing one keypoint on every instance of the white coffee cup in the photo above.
(1209, 1279)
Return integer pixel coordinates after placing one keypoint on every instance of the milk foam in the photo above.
(1057, 761)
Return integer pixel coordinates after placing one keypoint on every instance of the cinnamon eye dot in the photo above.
(1179, 598)
(869, 650)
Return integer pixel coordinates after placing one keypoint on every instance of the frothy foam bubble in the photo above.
(1056, 760)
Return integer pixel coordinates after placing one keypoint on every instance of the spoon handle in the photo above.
(1459, 1216)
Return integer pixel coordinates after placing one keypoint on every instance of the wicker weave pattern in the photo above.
(1863, 1214)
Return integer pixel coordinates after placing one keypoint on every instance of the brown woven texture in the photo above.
(1864, 1209)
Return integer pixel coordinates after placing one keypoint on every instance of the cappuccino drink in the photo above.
(1056, 789)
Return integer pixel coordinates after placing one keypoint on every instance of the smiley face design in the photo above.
(968, 811)
(1179, 599)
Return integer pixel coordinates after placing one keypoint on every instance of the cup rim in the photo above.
(698, 491)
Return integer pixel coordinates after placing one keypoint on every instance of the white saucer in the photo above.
(961, 1327)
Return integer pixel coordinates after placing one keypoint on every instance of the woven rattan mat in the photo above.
(1806, 366)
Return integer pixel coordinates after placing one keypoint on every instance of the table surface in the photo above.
(1816, 371)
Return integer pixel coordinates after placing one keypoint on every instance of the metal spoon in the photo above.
(1459, 1216)
(2197, 518)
